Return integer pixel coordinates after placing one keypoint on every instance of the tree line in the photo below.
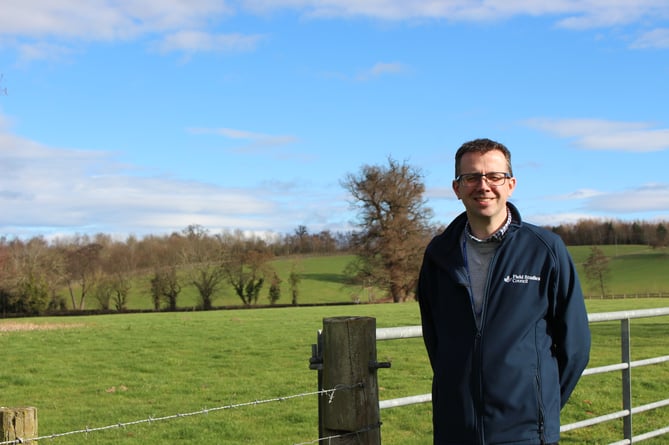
(72, 273)
(393, 227)
(592, 232)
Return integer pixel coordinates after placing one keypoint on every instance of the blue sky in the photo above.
(143, 117)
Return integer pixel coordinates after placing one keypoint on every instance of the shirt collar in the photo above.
(495, 237)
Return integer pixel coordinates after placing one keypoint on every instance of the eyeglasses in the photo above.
(493, 178)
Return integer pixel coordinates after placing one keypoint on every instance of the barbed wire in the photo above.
(329, 392)
(338, 436)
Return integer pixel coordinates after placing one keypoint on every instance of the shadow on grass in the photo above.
(329, 277)
(657, 255)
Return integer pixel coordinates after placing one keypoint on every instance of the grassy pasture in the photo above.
(94, 371)
(634, 270)
(322, 281)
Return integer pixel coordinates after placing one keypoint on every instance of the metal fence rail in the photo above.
(624, 366)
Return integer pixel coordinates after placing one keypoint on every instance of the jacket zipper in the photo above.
(478, 407)
(479, 340)
(540, 410)
(480, 322)
(477, 365)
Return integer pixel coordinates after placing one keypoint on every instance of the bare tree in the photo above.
(103, 293)
(82, 272)
(393, 225)
(165, 286)
(121, 288)
(207, 280)
(597, 269)
(204, 254)
(660, 236)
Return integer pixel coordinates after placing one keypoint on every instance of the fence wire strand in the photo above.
(329, 392)
(338, 436)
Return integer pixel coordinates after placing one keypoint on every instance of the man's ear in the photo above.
(456, 188)
(512, 185)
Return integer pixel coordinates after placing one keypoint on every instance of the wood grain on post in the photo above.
(18, 423)
(349, 356)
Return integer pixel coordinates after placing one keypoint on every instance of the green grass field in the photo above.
(322, 282)
(94, 371)
(634, 270)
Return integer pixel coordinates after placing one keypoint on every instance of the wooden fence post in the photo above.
(349, 414)
(18, 424)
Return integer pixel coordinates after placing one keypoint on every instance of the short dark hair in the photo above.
(481, 146)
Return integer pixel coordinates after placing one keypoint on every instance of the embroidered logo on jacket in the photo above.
(521, 278)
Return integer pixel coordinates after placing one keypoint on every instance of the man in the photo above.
(504, 321)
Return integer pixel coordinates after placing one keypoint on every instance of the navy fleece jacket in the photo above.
(505, 382)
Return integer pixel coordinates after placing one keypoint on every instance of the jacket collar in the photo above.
(446, 246)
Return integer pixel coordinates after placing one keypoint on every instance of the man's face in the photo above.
(485, 203)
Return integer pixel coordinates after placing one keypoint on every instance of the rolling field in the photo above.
(633, 270)
(95, 371)
(322, 281)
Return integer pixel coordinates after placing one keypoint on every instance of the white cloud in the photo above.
(440, 193)
(257, 142)
(48, 188)
(657, 38)
(460, 10)
(607, 13)
(50, 30)
(200, 41)
(42, 51)
(381, 69)
(106, 20)
(58, 191)
(647, 198)
(568, 13)
(385, 68)
(556, 219)
(596, 134)
(579, 194)
(229, 133)
(377, 70)
(42, 29)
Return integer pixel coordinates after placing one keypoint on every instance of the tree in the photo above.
(303, 239)
(165, 286)
(207, 280)
(30, 276)
(204, 253)
(32, 295)
(121, 289)
(246, 271)
(597, 269)
(294, 279)
(274, 289)
(660, 236)
(393, 225)
(103, 293)
(82, 272)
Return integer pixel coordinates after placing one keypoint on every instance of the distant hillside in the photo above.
(635, 269)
